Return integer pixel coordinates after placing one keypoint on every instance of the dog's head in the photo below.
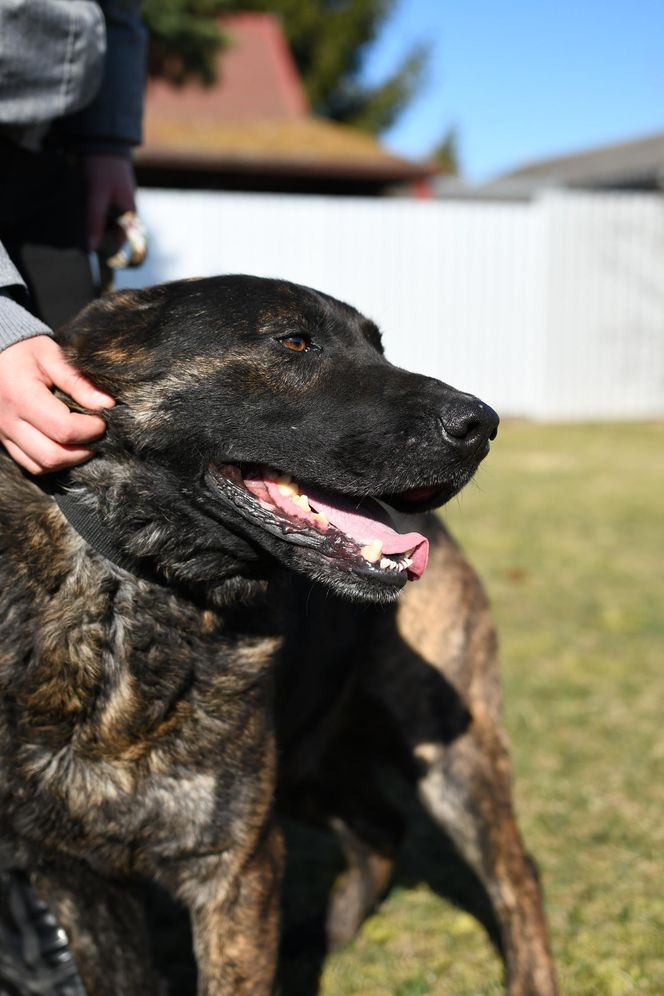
(258, 419)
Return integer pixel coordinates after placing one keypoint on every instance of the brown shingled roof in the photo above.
(255, 119)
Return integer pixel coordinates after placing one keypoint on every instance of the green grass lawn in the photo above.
(566, 526)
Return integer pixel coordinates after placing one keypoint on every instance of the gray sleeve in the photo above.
(112, 122)
(51, 59)
(16, 322)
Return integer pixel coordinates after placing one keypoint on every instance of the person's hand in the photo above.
(37, 429)
(111, 188)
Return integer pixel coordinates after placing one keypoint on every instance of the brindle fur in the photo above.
(137, 734)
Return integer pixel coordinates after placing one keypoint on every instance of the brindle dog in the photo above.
(146, 611)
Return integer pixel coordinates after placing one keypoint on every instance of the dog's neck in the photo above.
(88, 524)
(129, 521)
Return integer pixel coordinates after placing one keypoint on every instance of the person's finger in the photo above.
(21, 458)
(52, 418)
(48, 455)
(62, 375)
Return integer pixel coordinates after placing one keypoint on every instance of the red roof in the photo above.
(255, 120)
(256, 77)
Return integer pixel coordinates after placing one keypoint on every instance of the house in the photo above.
(636, 165)
(253, 129)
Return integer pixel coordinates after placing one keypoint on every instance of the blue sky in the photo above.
(524, 80)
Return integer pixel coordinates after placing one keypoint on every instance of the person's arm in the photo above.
(111, 123)
(36, 428)
(16, 322)
(105, 131)
(51, 62)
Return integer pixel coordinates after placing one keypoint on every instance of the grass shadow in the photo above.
(313, 864)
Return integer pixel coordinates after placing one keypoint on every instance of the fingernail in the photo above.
(103, 400)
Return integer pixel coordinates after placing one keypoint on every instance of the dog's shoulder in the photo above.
(32, 532)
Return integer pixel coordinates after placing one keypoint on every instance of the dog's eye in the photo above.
(296, 343)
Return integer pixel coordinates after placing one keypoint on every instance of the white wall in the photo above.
(550, 309)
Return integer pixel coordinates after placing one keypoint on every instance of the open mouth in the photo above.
(357, 535)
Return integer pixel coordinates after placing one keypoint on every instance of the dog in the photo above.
(156, 633)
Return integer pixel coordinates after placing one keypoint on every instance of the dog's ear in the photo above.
(110, 316)
(372, 334)
(110, 340)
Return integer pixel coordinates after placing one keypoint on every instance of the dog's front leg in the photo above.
(234, 909)
(466, 787)
(462, 774)
(436, 676)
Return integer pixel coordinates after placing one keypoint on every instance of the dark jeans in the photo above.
(42, 226)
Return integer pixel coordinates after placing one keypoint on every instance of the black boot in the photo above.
(35, 959)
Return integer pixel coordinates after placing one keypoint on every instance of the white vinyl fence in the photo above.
(552, 309)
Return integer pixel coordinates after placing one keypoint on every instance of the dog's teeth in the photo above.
(406, 562)
(287, 486)
(301, 501)
(372, 551)
(386, 564)
(319, 518)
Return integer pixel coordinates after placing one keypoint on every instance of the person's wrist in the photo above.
(117, 150)
(17, 323)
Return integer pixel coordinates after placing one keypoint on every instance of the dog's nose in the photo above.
(469, 422)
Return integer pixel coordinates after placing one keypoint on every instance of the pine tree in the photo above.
(446, 152)
(329, 40)
(185, 38)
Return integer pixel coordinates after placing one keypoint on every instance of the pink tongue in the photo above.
(365, 525)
